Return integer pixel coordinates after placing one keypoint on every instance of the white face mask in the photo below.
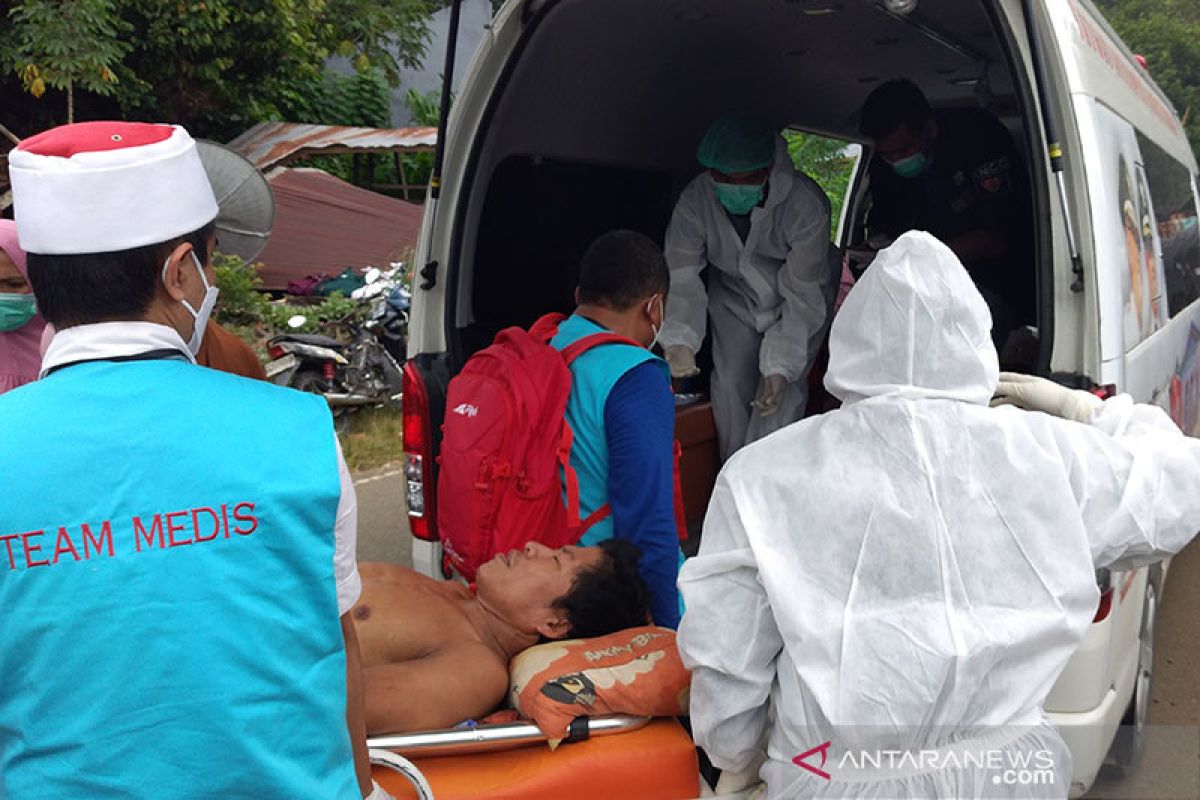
(200, 316)
(662, 308)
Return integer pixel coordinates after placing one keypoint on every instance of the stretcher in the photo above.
(633, 758)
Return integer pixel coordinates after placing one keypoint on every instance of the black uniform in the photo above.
(975, 181)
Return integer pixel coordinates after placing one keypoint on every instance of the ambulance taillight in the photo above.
(418, 456)
(1104, 584)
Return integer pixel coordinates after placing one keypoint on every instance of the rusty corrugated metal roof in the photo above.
(323, 224)
(270, 143)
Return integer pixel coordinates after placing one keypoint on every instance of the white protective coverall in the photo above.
(770, 299)
(913, 571)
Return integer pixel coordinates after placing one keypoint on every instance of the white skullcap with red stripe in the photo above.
(98, 187)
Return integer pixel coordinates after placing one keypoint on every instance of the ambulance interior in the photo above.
(595, 127)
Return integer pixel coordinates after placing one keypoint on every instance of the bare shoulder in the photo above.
(484, 663)
(394, 585)
(403, 615)
(384, 572)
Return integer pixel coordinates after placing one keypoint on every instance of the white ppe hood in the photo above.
(914, 326)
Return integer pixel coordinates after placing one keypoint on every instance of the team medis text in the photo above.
(50, 547)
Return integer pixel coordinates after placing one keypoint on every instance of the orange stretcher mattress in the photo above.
(657, 762)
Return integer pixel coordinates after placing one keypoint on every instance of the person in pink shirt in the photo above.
(20, 324)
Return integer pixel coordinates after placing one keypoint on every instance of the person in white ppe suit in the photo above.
(912, 571)
(764, 229)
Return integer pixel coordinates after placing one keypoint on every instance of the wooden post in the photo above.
(402, 174)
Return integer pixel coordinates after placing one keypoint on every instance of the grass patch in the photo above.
(375, 438)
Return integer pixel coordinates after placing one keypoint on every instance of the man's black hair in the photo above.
(608, 597)
(891, 105)
(621, 268)
(80, 289)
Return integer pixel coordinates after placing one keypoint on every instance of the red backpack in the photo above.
(504, 443)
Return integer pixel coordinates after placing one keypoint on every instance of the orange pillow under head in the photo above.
(634, 671)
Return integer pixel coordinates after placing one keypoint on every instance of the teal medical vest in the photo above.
(170, 619)
(593, 376)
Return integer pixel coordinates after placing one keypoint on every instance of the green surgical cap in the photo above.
(737, 144)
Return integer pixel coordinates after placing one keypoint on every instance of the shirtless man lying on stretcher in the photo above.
(435, 654)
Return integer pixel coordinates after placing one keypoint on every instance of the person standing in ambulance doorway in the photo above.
(176, 575)
(763, 228)
(956, 174)
(960, 574)
(622, 412)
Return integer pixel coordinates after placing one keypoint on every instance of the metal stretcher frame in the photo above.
(500, 736)
(393, 750)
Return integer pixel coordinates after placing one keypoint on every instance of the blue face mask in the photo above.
(739, 198)
(15, 311)
(912, 166)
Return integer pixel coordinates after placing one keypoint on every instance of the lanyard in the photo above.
(162, 354)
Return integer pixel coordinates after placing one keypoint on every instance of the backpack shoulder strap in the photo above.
(581, 346)
(576, 525)
(544, 329)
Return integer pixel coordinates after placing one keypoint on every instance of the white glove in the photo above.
(378, 793)
(734, 782)
(1039, 394)
(681, 360)
(770, 393)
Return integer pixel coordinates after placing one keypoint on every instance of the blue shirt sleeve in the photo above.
(639, 423)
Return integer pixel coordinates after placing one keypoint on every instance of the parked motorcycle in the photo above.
(363, 371)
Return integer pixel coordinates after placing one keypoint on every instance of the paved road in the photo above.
(1172, 765)
(382, 519)
(1171, 768)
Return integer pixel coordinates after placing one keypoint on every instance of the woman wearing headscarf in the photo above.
(20, 324)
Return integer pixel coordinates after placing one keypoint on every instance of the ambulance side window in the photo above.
(1172, 195)
(833, 164)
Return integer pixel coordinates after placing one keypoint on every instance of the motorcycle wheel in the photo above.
(341, 420)
(311, 380)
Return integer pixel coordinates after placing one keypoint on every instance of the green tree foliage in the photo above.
(373, 31)
(426, 109)
(1167, 34)
(825, 161)
(66, 44)
(218, 66)
(361, 99)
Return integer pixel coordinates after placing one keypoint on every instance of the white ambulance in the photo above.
(580, 116)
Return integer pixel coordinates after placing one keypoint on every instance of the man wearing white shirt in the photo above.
(177, 551)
